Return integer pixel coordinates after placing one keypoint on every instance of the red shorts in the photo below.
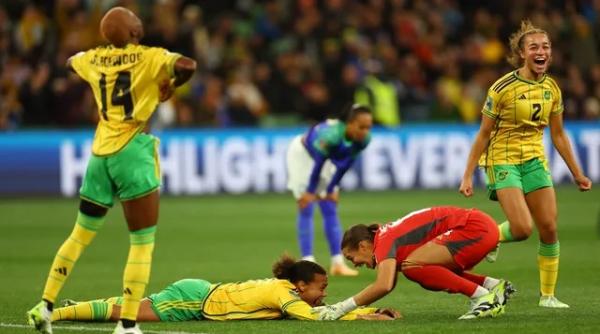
(470, 243)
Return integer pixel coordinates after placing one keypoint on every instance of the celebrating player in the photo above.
(298, 286)
(433, 247)
(510, 148)
(128, 81)
(316, 162)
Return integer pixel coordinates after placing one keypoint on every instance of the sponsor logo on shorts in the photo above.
(502, 175)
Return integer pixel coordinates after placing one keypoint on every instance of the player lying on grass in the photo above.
(433, 247)
(297, 288)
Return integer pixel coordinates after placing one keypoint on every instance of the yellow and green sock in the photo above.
(504, 232)
(82, 235)
(94, 310)
(137, 271)
(548, 255)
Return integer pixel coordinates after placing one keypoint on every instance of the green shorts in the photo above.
(132, 172)
(181, 301)
(529, 176)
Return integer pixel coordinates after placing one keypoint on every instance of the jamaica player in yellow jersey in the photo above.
(128, 81)
(509, 147)
(297, 288)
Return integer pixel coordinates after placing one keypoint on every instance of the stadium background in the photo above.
(272, 63)
(273, 67)
(267, 70)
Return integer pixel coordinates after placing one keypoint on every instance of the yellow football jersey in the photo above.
(521, 109)
(125, 85)
(262, 299)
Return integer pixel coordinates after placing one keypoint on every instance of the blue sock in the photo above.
(333, 230)
(306, 230)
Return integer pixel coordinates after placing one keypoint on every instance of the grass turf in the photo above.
(233, 238)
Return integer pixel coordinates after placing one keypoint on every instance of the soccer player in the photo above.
(316, 162)
(298, 286)
(509, 147)
(433, 247)
(128, 81)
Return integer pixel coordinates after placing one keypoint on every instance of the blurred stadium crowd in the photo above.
(287, 62)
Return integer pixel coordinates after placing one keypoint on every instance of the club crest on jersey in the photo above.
(502, 175)
(547, 95)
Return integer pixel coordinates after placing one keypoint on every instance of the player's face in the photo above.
(361, 256)
(313, 292)
(358, 129)
(537, 53)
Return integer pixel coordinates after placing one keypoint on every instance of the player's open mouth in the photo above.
(540, 61)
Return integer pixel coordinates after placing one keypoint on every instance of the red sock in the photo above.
(477, 279)
(438, 278)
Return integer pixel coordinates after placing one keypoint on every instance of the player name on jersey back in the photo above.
(116, 60)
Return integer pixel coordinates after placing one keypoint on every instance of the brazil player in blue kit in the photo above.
(316, 163)
(128, 81)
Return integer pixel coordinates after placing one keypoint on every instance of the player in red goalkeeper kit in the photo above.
(433, 247)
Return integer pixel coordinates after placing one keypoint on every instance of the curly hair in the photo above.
(294, 271)
(516, 41)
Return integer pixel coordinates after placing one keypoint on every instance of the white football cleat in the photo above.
(551, 302)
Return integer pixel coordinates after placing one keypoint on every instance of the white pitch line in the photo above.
(96, 329)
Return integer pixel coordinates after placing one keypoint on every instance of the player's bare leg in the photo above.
(519, 219)
(516, 211)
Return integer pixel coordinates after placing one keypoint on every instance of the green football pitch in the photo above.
(233, 238)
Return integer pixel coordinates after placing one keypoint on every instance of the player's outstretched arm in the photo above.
(481, 142)
(563, 146)
(384, 283)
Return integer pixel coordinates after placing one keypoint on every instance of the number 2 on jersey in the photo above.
(120, 96)
(536, 112)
